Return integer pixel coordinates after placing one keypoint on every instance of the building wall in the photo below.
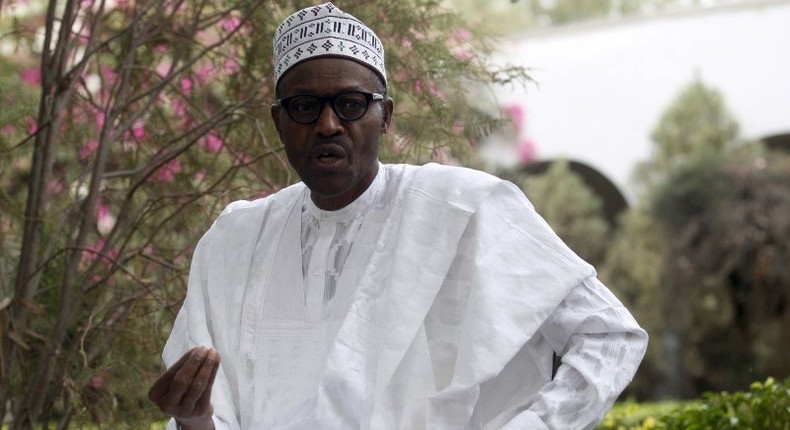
(602, 88)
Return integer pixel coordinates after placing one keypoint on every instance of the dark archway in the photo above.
(614, 202)
(778, 142)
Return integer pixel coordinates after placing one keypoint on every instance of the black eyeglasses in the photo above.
(348, 106)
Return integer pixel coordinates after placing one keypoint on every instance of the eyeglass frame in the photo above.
(369, 97)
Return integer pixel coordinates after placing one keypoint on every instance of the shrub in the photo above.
(766, 406)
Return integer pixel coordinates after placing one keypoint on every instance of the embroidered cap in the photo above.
(325, 30)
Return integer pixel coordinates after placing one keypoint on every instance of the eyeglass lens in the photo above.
(347, 106)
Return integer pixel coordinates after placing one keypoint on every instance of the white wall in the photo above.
(603, 87)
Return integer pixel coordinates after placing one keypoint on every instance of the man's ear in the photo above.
(275, 111)
(386, 115)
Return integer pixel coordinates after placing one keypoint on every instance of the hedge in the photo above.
(766, 406)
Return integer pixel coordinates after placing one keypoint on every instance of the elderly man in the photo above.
(372, 296)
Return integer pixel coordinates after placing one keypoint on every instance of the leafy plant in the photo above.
(766, 406)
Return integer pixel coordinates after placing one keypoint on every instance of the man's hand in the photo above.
(184, 391)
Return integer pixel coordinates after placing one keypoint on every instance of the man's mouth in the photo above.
(329, 154)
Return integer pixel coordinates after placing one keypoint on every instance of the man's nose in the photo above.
(328, 123)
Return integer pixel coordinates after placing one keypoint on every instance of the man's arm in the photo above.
(191, 353)
(601, 347)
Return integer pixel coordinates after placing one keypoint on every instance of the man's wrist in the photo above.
(205, 424)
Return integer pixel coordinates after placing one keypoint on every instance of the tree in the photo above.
(726, 217)
(150, 116)
(699, 259)
(695, 123)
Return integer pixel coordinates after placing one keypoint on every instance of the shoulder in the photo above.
(433, 172)
(459, 186)
(245, 207)
(240, 210)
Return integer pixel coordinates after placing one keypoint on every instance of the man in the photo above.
(375, 296)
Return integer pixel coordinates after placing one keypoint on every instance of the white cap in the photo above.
(325, 30)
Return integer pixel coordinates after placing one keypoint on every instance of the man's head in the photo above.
(332, 106)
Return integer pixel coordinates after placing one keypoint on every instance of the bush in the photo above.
(765, 407)
(630, 415)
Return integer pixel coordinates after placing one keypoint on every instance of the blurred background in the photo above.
(653, 136)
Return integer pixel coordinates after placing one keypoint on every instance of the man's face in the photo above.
(337, 159)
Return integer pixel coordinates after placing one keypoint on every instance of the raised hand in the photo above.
(184, 391)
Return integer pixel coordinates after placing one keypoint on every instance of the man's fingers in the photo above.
(168, 390)
(162, 385)
(201, 381)
(204, 402)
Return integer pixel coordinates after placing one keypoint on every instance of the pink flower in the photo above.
(169, 170)
(205, 72)
(8, 130)
(105, 221)
(97, 382)
(527, 152)
(31, 76)
(138, 130)
(461, 35)
(459, 127)
(88, 149)
(200, 176)
(32, 125)
(55, 187)
(232, 66)
(517, 115)
(442, 156)
(163, 68)
(213, 143)
(179, 108)
(463, 53)
(100, 118)
(93, 251)
(242, 158)
(186, 85)
(230, 23)
(419, 87)
(109, 74)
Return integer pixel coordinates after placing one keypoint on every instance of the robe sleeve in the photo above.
(193, 327)
(600, 342)
(601, 347)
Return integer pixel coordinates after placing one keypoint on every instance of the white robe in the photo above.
(449, 303)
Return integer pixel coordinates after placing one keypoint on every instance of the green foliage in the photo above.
(630, 415)
(726, 218)
(766, 406)
(696, 122)
(699, 260)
